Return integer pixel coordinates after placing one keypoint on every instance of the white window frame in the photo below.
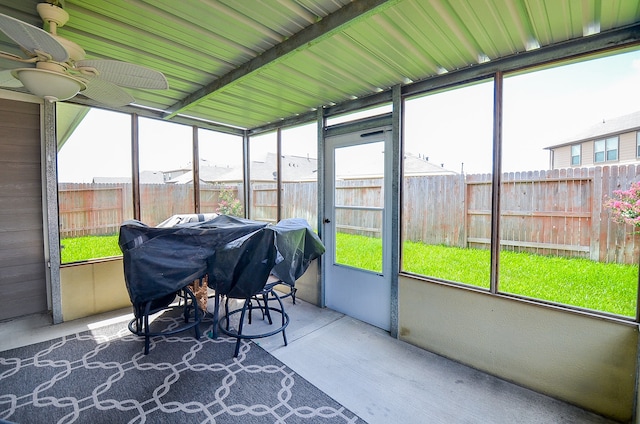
(606, 148)
(577, 147)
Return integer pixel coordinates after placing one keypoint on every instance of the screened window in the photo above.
(554, 246)
(446, 210)
(299, 173)
(263, 175)
(576, 152)
(94, 181)
(166, 171)
(221, 173)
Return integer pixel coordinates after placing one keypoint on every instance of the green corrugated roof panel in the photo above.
(208, 45)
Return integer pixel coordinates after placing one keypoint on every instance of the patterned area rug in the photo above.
(102, 376)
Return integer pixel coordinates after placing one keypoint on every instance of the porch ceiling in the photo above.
(250, 63)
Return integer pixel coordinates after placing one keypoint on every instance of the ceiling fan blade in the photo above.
(32, 38)
(106, 93)
(8, 80)
(126, 74)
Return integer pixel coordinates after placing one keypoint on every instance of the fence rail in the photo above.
(558, 212)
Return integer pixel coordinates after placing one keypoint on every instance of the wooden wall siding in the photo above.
(562, 157)
(626, 152)
(627, 147)
(557, 212)
(22, 262)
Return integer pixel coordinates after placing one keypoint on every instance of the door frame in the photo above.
(390, 220)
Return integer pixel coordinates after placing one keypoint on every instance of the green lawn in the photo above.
(571, 281)
(578, 282)
(83, 248)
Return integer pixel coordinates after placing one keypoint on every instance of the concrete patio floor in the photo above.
(381, 379)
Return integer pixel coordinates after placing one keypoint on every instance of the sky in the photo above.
(453, 129)
(540, 109)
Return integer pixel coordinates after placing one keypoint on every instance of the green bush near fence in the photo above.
(578, 282)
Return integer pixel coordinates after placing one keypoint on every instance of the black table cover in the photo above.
(238, 255)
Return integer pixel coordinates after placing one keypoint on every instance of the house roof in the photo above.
(251, 64)
(419, 165)
(606, 127)
(295, 168)
(299, 168)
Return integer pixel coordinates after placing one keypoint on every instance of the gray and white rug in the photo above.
(102, 376)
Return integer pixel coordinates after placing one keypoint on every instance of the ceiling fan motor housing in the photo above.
(51, 13)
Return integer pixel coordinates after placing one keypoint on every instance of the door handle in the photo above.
(327, 220)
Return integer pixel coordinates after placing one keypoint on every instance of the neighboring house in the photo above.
(612, 142)
(211, 174)
(176, 173)
(294, 169)
(415, 166)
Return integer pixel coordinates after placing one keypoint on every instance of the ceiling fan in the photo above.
(58, 69)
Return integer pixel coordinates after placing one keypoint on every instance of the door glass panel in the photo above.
(359, 205)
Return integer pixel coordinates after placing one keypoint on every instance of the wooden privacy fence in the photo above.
(93, 209)
(299, 200)
(557, 212)
(99, 209)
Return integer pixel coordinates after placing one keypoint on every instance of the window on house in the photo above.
(447, 185)
(605, 150)
(554, 244)
(638, 144)
(166, 178)
(576, 151)
(611, 146)
(221, 173)
(94, 181)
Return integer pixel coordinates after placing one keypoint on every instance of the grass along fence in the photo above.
(558, 212)
(570, 281)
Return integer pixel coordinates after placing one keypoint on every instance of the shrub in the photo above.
(625, 205)
(228, 204)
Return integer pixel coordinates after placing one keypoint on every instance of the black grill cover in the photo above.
(237, 254)
(298, 245)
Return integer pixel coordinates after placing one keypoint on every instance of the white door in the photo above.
(356, 227)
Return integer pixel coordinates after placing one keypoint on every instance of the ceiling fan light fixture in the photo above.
(49, 85)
